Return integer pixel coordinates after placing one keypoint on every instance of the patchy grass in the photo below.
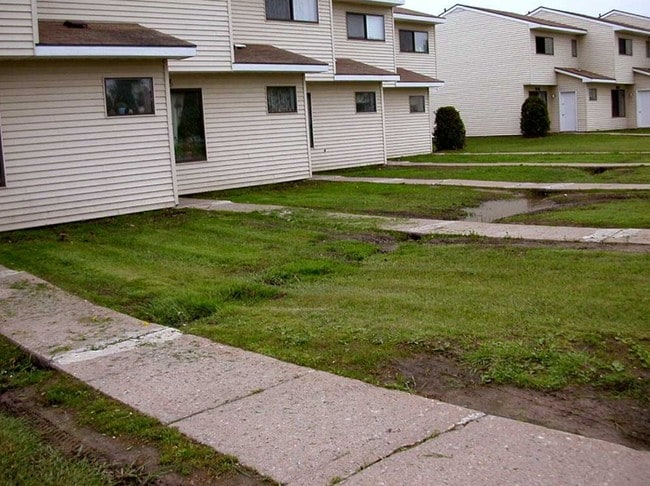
(566, 158)
(639, 175)
(336, 297)
(598, 210)
(366, 198)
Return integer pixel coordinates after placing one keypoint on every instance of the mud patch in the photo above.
(579, 410)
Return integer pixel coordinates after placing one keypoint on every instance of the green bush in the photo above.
(534, 117)
(449, 132)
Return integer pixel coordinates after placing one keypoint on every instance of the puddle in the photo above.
(491, 211)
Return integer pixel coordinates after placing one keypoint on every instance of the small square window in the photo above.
(618, 103)
(281, 99)
(625, 47)
(413, 41)
(543, 95)
(574, 48)
(593, 94)
(544, 45)
(417, 104)
(366, 27)
(129, 96)
(366, 102)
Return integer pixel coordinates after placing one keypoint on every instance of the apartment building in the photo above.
(123, 105)
(571, 61)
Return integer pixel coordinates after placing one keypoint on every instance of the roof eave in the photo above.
(432, 84)
(367, 77)
(562, 30)
(151, 52)
(586, 79)
(418, 19)
(279, 68)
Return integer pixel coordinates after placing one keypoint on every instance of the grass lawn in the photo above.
(465, 157)
(640, 175)
(365, 198)
(342, 298)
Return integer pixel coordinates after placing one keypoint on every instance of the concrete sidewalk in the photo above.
(423, 227)
(538, 186)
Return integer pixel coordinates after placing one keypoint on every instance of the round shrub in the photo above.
(449, 131)
(534, 118)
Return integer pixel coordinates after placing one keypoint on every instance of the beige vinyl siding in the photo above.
(406, 133)
(598, 48)
(376, 53)
(342, 137)
(246, 146)
(599, 113)
(65, 159)
(417, 61)
(17, 34)
(624, 64)
(310, 39)
(543, 65)
(571, 84)
(202, 22)
(484, 61)
(640, 22)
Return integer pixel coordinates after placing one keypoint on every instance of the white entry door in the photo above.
(643, 108)
(568, 112)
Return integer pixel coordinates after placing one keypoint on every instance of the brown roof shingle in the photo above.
(526, 18)
(265, 54)
(406, 11)
(64, 33)
(584, 73)
(355, 68)
(407, 76)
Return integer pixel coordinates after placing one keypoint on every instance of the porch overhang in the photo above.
(585, 76)
(412, 16)
(350, 70)
(264, 58)
(642, 71)
(411, 79)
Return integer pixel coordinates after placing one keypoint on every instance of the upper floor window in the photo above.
(574, 48)
(281, 99)
(625, 47)
(366, 101)
(2, 163)
(367, 27)
(413, 41)
(618, 103)
(544, 45)
(129, 96)
(298, 10)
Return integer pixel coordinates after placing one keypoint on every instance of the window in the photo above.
(366, 102)
(618, 103)
(416, 104)
(539, 94)
(367, 27)
(298, 10)
(647, 48)
(593, 94)
(187, 120)
(574, 48)
(126, 96)
(413, 41)
(544, 45)
(2, 163)
(625, 47)
(281, 99)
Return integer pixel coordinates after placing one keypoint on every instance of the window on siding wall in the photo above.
(543, 95)
(618, 103)
(366, 102)
(299, 10)
(417, 104)
(2, 162)
(413, 41)
(593, 94)
(647, 48)
(574, 48)
(281, 99)
(129, 96)
(366, 27)
(625, 47)
(187, 119)
(544, 45)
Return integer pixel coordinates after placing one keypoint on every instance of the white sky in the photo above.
(588, 7)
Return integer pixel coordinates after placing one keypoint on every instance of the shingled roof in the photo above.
(266, 54)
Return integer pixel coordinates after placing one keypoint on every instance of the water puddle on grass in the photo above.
(490, 211)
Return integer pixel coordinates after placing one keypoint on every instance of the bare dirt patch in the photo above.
(128, 463)
(580, 410)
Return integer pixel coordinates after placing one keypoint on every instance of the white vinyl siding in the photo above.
(639, 21)
(342, 137)
(406, 133)
(202, 22)
(599, 113)
(543, 66)
(246, 146)
(484, 61)
(374, 52)
(415, 61)
(65, 159)
(314, 40)
(17, 34)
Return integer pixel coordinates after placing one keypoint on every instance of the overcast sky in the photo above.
(588, 7)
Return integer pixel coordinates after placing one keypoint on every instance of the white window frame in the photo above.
(413, 35)
(365, 25)
(132, 78)
(549, 45)
(268, 100)
(623, 44)
(205, 139)
(292, 12)
(424, 104)
(574, 47)
(593, 94)
(374, 101)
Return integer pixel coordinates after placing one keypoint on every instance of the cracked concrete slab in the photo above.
(320, 426)
(497, 451)
(176, 379)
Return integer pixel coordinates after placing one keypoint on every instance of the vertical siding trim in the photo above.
(309, 133)
(383, 124)
(332, 33)
(230, 34)
(35, 31)
(170, 130)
